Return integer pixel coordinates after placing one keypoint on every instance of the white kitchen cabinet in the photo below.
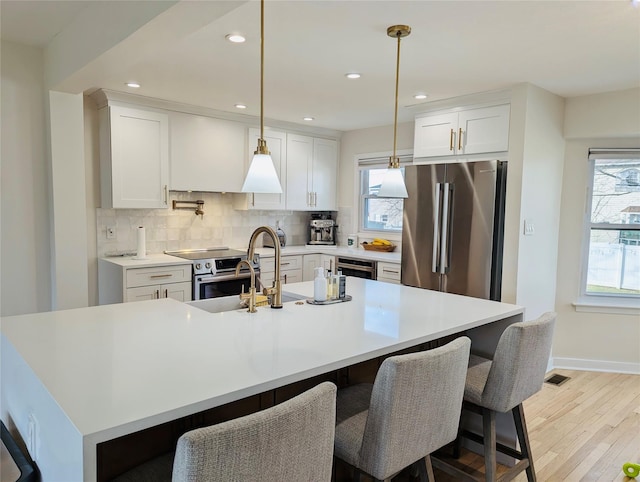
(277, 145)
(207, 154)
(134, 157)
(290, 270)
(312, 165)
(177, 291)
(388, 272)
(465, 132)
(117, 283)
(312, 261)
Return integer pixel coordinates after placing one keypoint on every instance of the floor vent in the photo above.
(556, 379)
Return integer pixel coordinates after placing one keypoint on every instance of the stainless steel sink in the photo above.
(231, 303)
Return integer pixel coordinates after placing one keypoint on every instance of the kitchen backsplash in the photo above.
(168, 229)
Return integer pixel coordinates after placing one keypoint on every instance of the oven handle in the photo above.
(355, 267)
(227, 277)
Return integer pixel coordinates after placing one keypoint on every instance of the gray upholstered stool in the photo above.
(501, 385)
(291, 441)
(411, 410)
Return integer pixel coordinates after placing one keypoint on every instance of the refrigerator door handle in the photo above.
(445, 229)
(436, 228)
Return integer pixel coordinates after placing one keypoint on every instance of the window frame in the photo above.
(376, 160)
(589, 300)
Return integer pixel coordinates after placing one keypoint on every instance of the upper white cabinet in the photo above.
(134, 157)
(472, 131)
(311, 173)
(277, 145)
(207, 154)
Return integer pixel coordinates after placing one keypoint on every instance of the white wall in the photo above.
(25, 260)
(540, 194)
(592, 340)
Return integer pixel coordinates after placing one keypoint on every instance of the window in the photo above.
(613, 224)
(377, 213)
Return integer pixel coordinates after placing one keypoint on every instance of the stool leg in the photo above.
(523, 437)
(489, 433)
(425, 469)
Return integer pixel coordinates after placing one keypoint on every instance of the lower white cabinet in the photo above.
(312, 261)
(290, 270)
(177, 291)
(389, 272)
(118, 284)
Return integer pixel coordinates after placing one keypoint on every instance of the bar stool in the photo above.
(501, 385)
(412, 409)
(290, 441)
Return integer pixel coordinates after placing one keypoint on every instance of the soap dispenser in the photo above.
(319, 285)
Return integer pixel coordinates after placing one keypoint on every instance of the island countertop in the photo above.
(117, 369)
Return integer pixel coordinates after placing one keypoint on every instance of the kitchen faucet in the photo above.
(251, 295)
(276, 290)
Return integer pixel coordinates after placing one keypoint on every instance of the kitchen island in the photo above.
(74, 379)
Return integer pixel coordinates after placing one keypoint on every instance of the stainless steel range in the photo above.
(214, 271)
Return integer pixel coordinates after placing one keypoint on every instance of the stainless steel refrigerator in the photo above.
(452, 228)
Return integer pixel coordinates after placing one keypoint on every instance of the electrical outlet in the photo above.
(529, 229)
(111, 232)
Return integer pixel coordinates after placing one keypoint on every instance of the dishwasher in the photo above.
(360, 268)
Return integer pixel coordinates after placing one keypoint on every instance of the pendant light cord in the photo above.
(395, 115)
(262, 69)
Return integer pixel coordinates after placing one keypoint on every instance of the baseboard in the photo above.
(596, 365)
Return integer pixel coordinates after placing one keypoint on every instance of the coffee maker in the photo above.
(322, 231)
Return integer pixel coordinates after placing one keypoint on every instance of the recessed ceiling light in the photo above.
(420, 96)
(307, 118)
(133, 85)
(240, 106)
(353, 75)
(235, 38)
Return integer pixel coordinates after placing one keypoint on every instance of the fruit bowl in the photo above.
(378, 247)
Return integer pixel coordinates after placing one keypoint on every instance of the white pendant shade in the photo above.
(262, 176)
(393, 184)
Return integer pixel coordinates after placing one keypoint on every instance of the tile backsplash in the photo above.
(169, 229)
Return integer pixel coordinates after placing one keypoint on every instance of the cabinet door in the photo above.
(291, 276)
(325, 167)
(310, 262)
(328, 262)
(143, 293)
(389, 272)
(134, 167)
(299, 165)
(435, 135)
(484, 130)
(207, 154)
(277, 144)
(177, 291)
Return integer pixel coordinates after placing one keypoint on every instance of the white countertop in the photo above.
(116, 369)
(157, 259)
(165, 259)
(393, 257)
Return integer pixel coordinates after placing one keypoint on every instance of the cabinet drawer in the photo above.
(267, 265)
(388, 271)
(158, 275)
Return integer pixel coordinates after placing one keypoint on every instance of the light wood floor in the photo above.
(583, 430)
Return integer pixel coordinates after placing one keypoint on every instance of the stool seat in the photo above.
(501, 385)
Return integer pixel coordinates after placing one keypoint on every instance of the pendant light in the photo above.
(262, 176)
(393, 182)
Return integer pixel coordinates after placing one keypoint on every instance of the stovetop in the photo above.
(207, 253)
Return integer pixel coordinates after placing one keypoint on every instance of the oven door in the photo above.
(209, 286)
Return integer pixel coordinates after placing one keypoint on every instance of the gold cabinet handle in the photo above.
(157, 294)
(460, 139)
(451, 140)
(156, 276)
(166, 293)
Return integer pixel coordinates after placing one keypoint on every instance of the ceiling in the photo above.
(570, 48)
